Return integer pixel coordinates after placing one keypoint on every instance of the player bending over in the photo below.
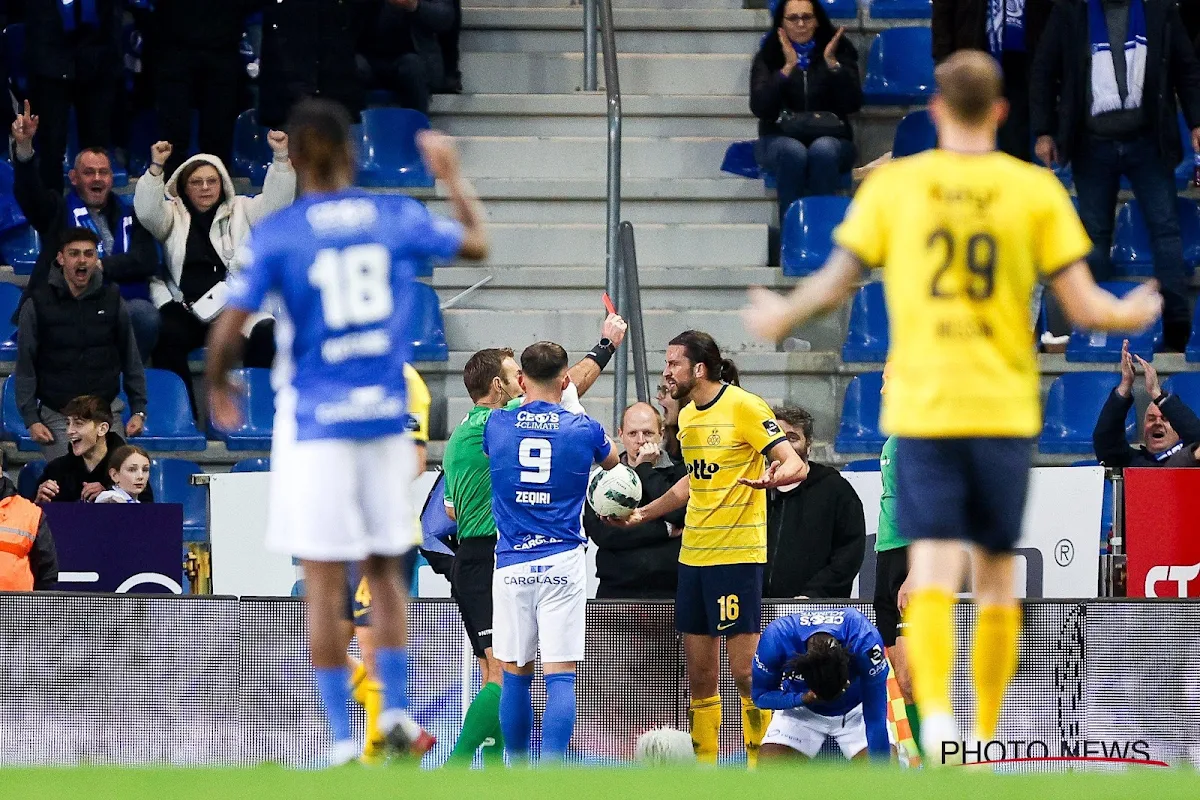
(824, 673)
(540, 457)
(343, 262)
(962, 234)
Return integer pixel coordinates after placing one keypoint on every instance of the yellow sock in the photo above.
(997, 630)
(357, 677)
(930, 631)
(372, 703)
(754, 727)
(704, 719)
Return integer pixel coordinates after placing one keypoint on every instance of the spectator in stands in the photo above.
(670, 415)
(82, 473)
(1170, 429)
(74, 338)
(641, 562)
(202, 222)
(127, 253)
(400, 51)
(1103, 91)
(129, 470)
(28, 558)
(803, 85)
(1009, 30)
(816, 531)
(73, 53)
(448, 44)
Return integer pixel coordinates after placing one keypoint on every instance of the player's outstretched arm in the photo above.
(673, 500)
(588, 369)
(786, 468)
(442, 159)
(1089, 307)
(771, 316)
(224, 349)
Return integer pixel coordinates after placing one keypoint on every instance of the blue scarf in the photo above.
(1006, 26)
(66, 9)
(804, 53)
(77, 214)
(1106, 95)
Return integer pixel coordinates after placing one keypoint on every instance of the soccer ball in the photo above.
(615, 492)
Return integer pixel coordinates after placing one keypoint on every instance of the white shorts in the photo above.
(540, 604)
(805, 731)
(338, 499)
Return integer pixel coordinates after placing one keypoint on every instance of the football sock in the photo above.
(369, 694)
(558, 722)
(357, 676)
(333, 684)
(754, 728)
(930, 635)
(704, 719)
(516, 715)
(493, 746)
(481, 722)
(392, 666)
(997, 631)
(914, 722)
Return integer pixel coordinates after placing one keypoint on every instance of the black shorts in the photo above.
(471, 583)
(970, 490)
(441, 563)
(891, 568)
(720, 600)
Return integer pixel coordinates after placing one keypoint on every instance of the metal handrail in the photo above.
(632, 309)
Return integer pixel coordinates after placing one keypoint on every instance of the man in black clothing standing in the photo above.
(816, 531)
(641, 562)
(402, 52)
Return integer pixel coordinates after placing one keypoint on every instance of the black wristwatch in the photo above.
(1158, 401)
(607, 344)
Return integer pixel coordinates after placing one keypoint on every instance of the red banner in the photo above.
(1162, 532)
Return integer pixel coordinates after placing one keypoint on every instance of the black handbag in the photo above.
(808, 126)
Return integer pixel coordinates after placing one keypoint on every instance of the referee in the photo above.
(490, 377)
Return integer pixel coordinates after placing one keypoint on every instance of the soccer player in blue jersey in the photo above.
(824, 674)
(342, 262)
(541, 455)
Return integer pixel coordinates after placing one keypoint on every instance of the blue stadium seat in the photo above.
(808, 232)
(1192, 353)
(1189, 230)
(258, 412)
(29, 477)
(1106, 347)
(10, 297)
(11, 215)
(1072, 408)
(915, 134)
(739, 160)
(859, 429)
(1132, 253)
(251, 153)
(837, 9)
(252, 465)
(862, 465)
(1187, 386)
(901, 9)
(19, 249)
(169, 422)
(14, 54)
(170, 480)
(1185, 173)
(10, 419)
(899, 67)
(144, 131)
(867, 337)
(429, 330)
(387, 148)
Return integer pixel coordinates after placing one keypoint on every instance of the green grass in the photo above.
(802, 783)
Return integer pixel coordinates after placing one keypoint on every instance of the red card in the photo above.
(608, 303)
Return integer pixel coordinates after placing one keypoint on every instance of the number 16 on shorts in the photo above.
(719, 599)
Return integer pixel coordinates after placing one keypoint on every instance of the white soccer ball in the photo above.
(615, 492)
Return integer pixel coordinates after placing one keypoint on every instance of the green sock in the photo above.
(482, 722)
(493, 748)
(914, 722)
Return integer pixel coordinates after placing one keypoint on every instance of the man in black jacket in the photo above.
(641, 562)
(1171, 430)
(816, 531)
(82, 473)
(401, 49)
(1090, 109)
(128, 253)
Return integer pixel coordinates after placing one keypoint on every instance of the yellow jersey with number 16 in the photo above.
(962, 240)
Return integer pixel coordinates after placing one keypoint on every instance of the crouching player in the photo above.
(824, 674)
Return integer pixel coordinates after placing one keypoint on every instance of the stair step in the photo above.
(587, 157)
(640, 73)
(542, 244)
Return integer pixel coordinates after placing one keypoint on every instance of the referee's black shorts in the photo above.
(471, 582)
(891, 569)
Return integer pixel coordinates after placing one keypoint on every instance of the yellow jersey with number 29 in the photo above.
(962, 240)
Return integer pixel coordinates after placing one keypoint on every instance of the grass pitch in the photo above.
(814, 782)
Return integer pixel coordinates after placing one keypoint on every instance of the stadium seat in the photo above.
(252, 465)
(839, 9)
(170, 480)
(1132, 253)
(1087, 346)
(428, 331)
(387, 148)
(19, 249)
(29, 477)
(10, 418)
(169, 423)
(739, 160)
(1185, 173)
(899, 67)
(11, 215)
(867, 337)
(901, 9)
(258, 412)
(1187, 386)
(808, 232)
(1072, 408)
(915, 134)
(859, 429)
(10, 297)
(1192, 353)
(14, 55)
(251, 153)
(862, 465)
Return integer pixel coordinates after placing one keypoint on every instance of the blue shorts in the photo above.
(358, 597)
(720, 600)
(970, 490)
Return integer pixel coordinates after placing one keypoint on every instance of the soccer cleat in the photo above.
(940, 743)
(405, 739)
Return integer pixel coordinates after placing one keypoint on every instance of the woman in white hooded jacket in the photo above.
(202, 222)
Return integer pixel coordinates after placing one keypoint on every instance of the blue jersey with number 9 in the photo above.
(540, 456)
(343, 265)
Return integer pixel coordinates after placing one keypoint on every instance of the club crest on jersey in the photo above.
(544, 421)
(714, 438)
(703, 470)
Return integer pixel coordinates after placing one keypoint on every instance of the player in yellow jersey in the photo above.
(724, 432)
(365, 689)
(962, 234)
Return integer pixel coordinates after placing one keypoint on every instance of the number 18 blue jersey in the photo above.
(343, 264)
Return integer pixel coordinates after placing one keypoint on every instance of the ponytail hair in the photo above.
(824, 666)
(700, 348)
(729, 372)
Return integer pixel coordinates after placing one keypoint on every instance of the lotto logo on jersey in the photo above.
(545, 421)
(701, 469)
(823, 618)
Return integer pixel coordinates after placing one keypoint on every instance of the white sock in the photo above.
(343, 752)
